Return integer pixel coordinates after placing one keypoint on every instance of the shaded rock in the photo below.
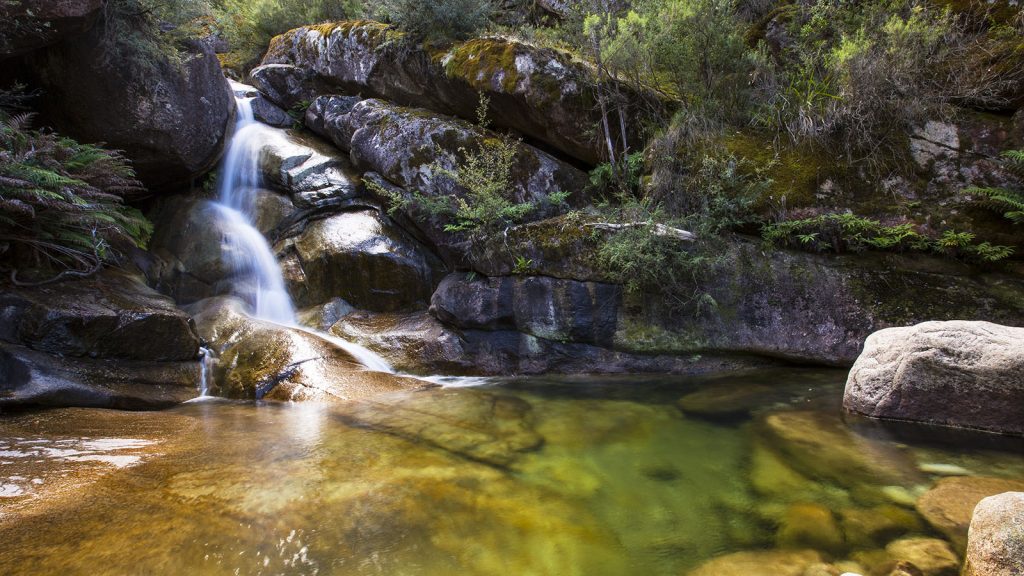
(362, 257)
(538, 92)
(27, 25)
(284, 85)
(560, 310)
(31, 378)
(111, 315)
(821, 446)
(870, 527)
(966, 374)
(267, 112)
(490, 428)
(170, 117)
(949, 505)
(931, 556)
(809, 526)
(760, 563)
(995, 544)
(328, 117)
(410, 148)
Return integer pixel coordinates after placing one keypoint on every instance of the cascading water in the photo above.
(257, 277)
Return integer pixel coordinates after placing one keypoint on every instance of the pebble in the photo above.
(943, 469)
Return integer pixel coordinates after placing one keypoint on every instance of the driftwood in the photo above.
(659, 229)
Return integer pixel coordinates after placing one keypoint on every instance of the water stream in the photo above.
(257, 276)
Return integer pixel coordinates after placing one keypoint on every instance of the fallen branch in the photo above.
(659, 229)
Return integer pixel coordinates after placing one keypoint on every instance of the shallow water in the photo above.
(556, 476)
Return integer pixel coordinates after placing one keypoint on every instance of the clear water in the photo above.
(527, 476)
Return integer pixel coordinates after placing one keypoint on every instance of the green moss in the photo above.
(478, 62)
(643, 337)
(796, 173)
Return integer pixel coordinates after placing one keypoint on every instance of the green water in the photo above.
(588, 476)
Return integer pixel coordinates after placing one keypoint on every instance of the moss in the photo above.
(640, 336)
(796, 174)
(480, 61)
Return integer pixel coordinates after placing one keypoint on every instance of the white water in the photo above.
(257, 275)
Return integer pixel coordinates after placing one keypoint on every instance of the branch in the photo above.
(659, 229)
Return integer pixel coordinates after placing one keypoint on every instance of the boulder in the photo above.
(933, 557)
(31, 378)
(760, 563)
(541, 93)
(957, 373)
(362, 257)
(948, 506)
(995, 543)
(868, 527)
(548, 308)
(27, 25)
(484, 427)
(412, 342)
(267, 112)
(255, 359)
(170, 115)
(410, 149)
(111, 315)
(328, 116)
(310, 170)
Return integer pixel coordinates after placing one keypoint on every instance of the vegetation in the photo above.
(1008, 201)
(437, 20)
(61, 207)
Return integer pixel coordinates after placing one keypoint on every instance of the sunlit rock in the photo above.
(949, 505)
(995, 545)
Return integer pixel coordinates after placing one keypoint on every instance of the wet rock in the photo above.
(822, 569)
(414, 341)
(760, 563)
(31, 24)
(965, 374)
(869, 527)
(169, 115)
(931, 556)
(560, 310)
(949, 505)
(490, 428)
(111, 315)
(734, 401)
(32, 378)
(821, 446)
(410, 148)
(538, 92)
(809, 526)
(904, 568)
(362, 257)
(306, 167)
(995, 545)
(771, 476)
(255, 359)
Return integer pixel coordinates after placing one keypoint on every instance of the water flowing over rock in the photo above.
(258, 359)
(967, 374)
(995, 545)
(542, 93)
(170, 116)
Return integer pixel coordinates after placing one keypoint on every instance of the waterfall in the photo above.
(257, 277)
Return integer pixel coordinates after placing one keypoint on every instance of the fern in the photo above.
(1008, 201)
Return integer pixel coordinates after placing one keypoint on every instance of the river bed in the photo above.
(546, 476)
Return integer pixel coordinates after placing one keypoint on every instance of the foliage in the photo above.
(848, 232)
(437, 20)
(248, 25)
(1008, 201)
(61, 202)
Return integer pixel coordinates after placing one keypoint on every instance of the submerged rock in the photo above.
(948, 506)
(760, 563)
(810, 526)
(170, 115)
(995, 545)
(933, 557)
(964, 374)
(256, 359)
(485, 427)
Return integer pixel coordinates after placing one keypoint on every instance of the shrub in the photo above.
(437, 20)
(61, 206)
(1008, 201)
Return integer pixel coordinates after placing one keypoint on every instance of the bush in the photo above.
(437, 20)
(61, 204)
(1007, 201)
